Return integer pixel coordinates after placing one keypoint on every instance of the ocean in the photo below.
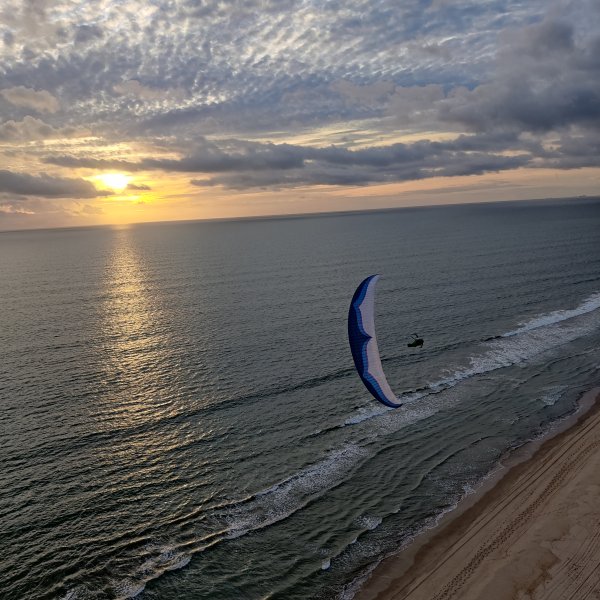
(180, 417)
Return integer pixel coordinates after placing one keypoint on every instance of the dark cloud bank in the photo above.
(46, 186)
(266, 165)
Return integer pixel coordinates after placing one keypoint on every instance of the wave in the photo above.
(233, 520)
(369, 522)
(367, 412)
(158, 559)
(498, 353)
(290, 495)
(353, 587)
(124, 432)
(590, 304)
(516, 349)
(553, 395)
(541, 334)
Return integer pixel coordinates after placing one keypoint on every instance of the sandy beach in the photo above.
(532, 533)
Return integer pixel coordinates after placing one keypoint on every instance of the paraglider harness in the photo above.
(416, 343)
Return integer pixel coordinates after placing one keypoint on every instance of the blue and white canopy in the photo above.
(363, 343)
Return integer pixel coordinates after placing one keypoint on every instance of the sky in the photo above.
(120, 111)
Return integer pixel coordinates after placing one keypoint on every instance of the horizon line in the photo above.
(268, 217)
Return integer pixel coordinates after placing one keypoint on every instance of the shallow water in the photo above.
(180, 417)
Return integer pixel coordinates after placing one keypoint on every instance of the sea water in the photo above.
(179, 413)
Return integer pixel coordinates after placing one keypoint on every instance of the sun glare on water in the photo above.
(114, 181)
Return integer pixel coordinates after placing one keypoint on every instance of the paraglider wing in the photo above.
(363, 343)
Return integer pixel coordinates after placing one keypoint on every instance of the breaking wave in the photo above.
(539, 335)
(590, 304)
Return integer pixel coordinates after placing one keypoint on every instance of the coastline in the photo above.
(531, 530)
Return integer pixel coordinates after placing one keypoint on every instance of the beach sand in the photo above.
(532, 533)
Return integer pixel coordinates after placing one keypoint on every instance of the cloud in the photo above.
(545, 79)
(28, 211)
(142, 187)
(416, 107)
(13, 209)
(31, 128)
(207, 158)
(8, 38)
(88, 209)
(133, 87)
(86, 33)
(359, 175)
(514, 84)
(40, 101)
(341, 166)
(254, 164)
(573, 149)
(373, 94)
(47, 186)
(244, 66)
(94, 163)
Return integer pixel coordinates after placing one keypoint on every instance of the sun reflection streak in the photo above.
(137, 357)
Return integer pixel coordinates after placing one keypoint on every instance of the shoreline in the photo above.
(497, 542)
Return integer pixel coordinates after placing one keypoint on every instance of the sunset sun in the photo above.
(114, 181)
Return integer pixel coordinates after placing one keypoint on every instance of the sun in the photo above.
(114, 181)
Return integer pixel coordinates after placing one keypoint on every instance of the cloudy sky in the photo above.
(115, 111)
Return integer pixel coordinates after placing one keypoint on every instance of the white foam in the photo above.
(325, 564)
(588, 305)
(162, 558)
(80, 592)
(553, 395)
(285, 498)
(167, 558)
(366, 412)
(265, 508)
(540, 334)
(369, 522)
(350, 590)
(501, 352)
(516, 348)
(128, 588)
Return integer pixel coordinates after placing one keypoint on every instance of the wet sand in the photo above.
(532, 532)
